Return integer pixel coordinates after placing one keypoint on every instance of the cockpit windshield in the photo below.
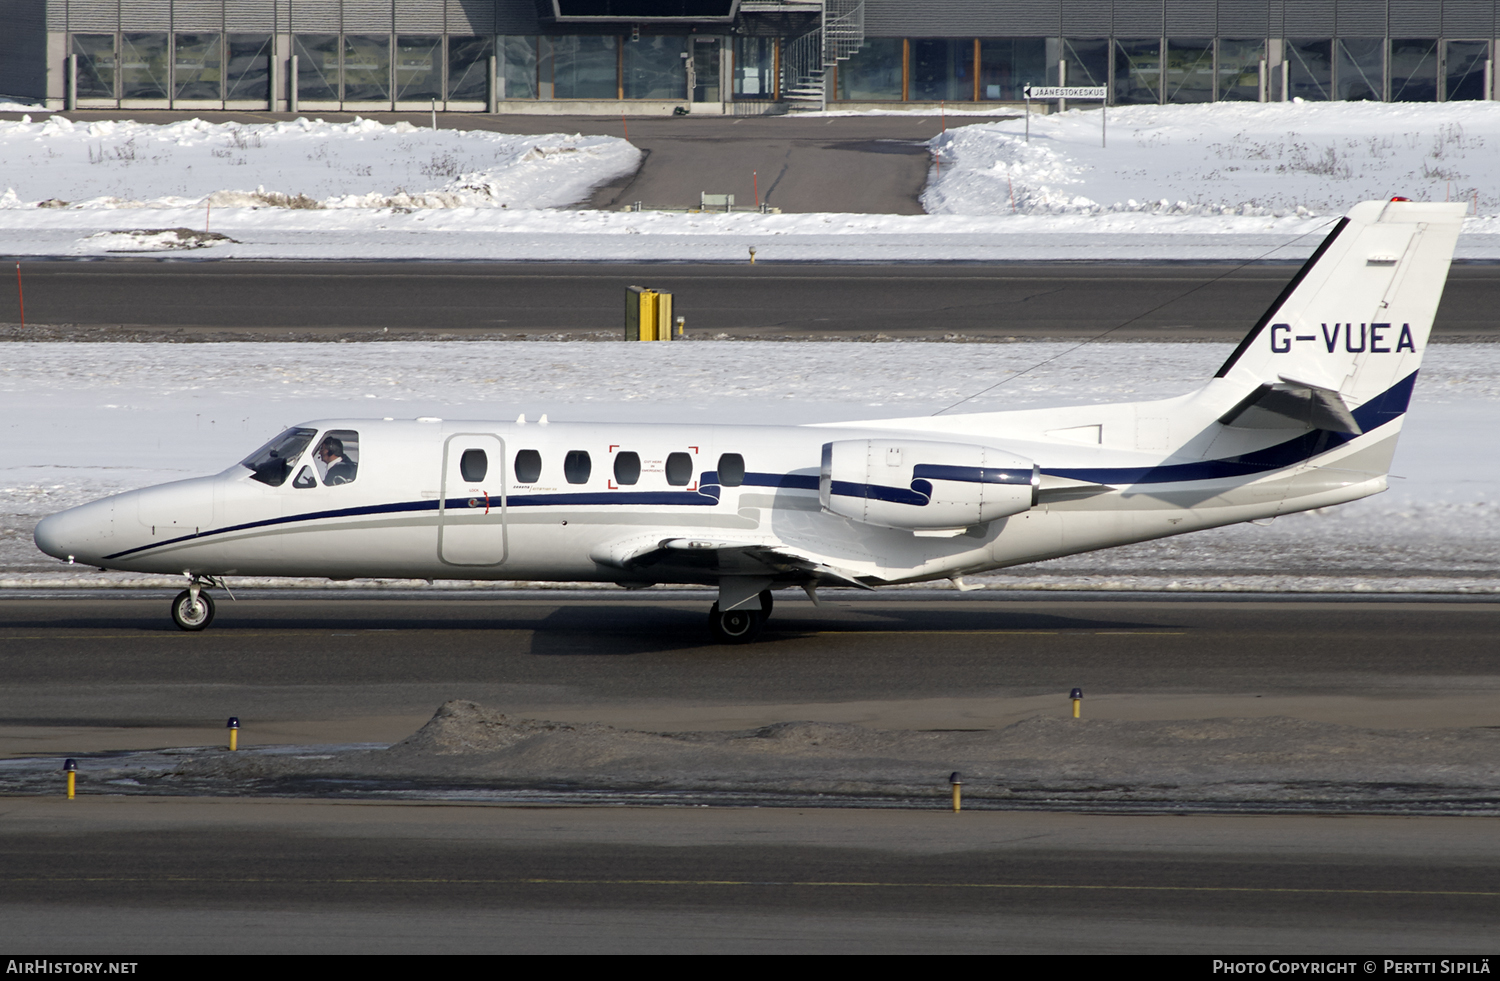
(272, 463)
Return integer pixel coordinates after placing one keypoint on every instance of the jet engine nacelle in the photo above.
(919, 485)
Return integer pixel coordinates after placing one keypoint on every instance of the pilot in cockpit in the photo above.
(332, 465)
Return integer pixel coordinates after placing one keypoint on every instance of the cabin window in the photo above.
(577, 467)
(272, 463)
(474, 464)
(337, 457)
(305, 479)
(731, 470)
(528, 467)
(627, 468)
(679, 469)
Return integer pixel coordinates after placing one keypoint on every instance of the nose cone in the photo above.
(77, 533)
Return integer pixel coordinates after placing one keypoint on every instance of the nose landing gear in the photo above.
(739, 626)
(193, 609)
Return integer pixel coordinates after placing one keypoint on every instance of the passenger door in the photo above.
(471, 505)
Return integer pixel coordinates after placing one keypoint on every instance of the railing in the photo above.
(806, 59)
(843, 29)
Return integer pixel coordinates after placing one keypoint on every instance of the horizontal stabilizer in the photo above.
(1289, 404)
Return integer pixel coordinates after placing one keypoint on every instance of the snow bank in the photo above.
(305, 163)
(1220, 160)
(1212, 182)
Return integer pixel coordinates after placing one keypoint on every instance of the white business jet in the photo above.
(1304, 414)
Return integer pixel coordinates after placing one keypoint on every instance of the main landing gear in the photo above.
(739, 626)
(193, 609)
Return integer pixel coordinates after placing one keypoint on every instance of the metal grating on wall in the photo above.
(1249, 19)
(308, 16)
(251, 15)
(198, 15)
(145, 15)
(1415, 18)
(367, 15)
(1360, 18)
(1029, 18)
(1192, 18)
(420, 16)
(1090, 18)
(93, 15)
(1308, 20)
(473, 16)
(1138, 18)
(1469, 18)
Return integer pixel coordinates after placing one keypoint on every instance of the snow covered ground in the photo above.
(1221, 181)
(85, 420)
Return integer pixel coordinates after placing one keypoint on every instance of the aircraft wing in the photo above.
(717, 557)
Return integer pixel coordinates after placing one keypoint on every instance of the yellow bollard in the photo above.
(234, 733)
(1077, 696)
(752, 255)
(957, 791)
(71, 766)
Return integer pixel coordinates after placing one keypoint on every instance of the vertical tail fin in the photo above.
(1347, 335)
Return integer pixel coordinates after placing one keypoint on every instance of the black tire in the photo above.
(188, 618)
(736, 626)
(766, 602)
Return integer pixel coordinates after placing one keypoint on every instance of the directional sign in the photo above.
(1067, 92)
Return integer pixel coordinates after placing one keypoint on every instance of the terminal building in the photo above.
(733, 56)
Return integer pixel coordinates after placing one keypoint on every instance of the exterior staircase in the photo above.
(806, 60)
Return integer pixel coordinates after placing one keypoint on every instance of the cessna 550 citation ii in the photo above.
(1304, 414)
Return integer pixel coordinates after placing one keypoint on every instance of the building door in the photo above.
(705, 77)
(471, 504)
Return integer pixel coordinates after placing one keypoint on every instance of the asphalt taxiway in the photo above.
(148, 299)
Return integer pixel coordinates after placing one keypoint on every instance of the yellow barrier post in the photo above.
(957, 784)
(648, 315)
(71, 768)
(234, 733)
(1077, 696)
(663, 317)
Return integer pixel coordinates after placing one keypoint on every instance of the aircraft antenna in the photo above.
(1127, 323)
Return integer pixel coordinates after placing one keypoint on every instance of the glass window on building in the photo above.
(1008, 65)
(1310, 75)
(654, 68)
(1239, 70)
(248, 75)
(143, 66)
(469, 68)
(754, 68)
(940, 70)
(317, 66)
(1083, 62)
(367, 68)
(197, 67)
(873, 73)
(96, 65)
(1189, 75)
(1361, 69)
(419, 68)
(1137, 72)
(584, 67)
(1464, 77)
(1413, 71)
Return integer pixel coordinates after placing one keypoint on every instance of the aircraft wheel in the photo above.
(188, 616)
(766, 600)
(736, 626)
